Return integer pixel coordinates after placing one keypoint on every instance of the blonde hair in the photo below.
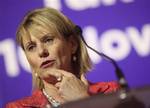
(50, 18)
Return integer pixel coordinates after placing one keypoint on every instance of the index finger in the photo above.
(50, 72)
(57, 73)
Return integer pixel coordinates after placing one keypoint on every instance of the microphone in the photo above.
(120, 76)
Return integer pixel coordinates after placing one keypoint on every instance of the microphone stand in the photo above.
(126, 101)
(120, 76)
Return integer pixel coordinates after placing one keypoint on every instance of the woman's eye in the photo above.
(48, 40)
(31, 47)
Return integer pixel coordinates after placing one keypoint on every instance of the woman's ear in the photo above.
(84, 80)
(73, 44)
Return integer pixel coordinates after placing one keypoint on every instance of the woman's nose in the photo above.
(43, 52)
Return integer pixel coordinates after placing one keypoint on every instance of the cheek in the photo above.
(61, 53)
(64, 56)
(33, 60)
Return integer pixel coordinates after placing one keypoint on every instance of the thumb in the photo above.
(84, 80)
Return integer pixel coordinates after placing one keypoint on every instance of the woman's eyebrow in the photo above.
(28, 43)
(46, 36)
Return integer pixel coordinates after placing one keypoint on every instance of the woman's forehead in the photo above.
(37, 32)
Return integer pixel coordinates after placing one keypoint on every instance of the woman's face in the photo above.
(45, 50)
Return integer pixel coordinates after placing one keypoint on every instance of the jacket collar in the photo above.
(37, 100)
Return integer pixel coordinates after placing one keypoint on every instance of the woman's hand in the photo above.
(68, 85)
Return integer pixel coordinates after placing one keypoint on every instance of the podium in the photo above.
(135, 98)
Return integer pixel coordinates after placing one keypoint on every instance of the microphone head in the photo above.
(78, 29)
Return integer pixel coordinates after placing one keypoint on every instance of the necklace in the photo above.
(51, 99)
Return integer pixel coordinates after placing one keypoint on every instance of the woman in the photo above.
(58, 60)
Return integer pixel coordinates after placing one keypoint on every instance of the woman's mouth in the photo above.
(46, 64)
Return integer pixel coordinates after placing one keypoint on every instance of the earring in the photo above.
(74, 58)
(36, 75)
